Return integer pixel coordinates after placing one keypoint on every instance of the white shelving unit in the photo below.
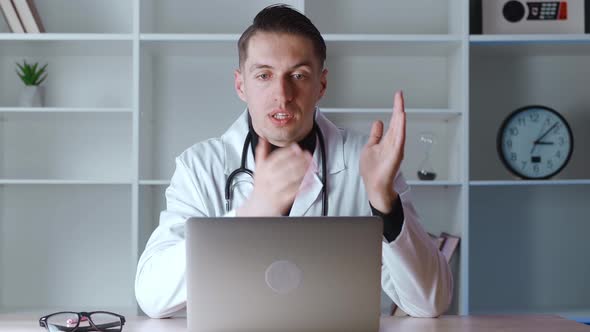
(527, 237)
(133, 83)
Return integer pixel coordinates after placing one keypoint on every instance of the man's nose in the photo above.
(284, 90)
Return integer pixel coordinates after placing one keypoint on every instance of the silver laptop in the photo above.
(284, 274)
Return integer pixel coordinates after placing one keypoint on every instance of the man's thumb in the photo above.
(262, 149)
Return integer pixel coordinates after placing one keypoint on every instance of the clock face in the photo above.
(535, 142)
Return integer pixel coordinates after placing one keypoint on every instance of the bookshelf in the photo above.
(127, 94)
(527, 236)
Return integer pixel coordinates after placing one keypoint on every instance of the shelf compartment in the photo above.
(154, 182)
(43, 239)
(523, 246)
(65, 146)
(152, 201)
(409, 17)
(170, 122)
(439, 210)
(187, 16)
(69, 37)
(556, 182)
(357, 79)
(412, 113)
(78, 80)
(85, 16)
(64, 110)
(445, 156)
(513, 81)
(62, 182)
(337, 44)
(530, 45)
(65, 47)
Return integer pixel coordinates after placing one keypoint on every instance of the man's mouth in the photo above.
(281, 117)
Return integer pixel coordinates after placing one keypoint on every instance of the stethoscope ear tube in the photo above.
(242, 169)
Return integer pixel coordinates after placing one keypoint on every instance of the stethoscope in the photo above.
(243, 169)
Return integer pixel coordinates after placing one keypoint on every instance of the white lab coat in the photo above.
(415, 275)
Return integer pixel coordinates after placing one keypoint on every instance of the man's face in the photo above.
(281, 80)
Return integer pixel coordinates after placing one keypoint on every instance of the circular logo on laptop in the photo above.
(283, 276)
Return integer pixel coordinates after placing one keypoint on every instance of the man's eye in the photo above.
(263, 76)
(298, 76)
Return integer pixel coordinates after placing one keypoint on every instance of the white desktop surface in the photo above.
(538, 323)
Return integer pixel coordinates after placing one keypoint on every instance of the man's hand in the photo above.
(277, 180)
(382, 156)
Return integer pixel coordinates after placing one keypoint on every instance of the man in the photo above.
(281, 78)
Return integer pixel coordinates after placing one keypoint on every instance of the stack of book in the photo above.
(447, 244)
(21, 16)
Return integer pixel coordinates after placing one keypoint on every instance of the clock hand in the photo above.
(545, 134)
(536, 142)
(544, 143)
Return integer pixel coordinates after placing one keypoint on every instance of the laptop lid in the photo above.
(284, 274)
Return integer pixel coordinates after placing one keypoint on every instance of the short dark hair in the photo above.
(282, 18)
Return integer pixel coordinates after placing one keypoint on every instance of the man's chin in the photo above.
(281, 140)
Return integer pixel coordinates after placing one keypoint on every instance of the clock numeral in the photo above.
(550, 164)
(534, 117)
(561, 141)
(536, 168)
(548, 121)
(514, 131)
(558, 154)
(523, 165)
(522, 121)
(557, 127)
(513, 156)
(509, 143)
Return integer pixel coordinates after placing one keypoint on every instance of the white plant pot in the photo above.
(32, 96)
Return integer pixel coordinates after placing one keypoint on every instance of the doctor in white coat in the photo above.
(281, 78)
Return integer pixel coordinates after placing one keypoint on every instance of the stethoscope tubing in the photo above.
(243, 169)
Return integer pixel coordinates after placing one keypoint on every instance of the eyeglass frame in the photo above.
(82, 314)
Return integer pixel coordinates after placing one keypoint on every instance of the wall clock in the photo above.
(535, 142)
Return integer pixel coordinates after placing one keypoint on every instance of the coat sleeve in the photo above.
(160, 285)
(415, 274)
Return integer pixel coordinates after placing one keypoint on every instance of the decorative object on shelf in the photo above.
(29, 16)
(425, 170)
(11, 17)
(537, 16)
(535, 142)
(33, 95)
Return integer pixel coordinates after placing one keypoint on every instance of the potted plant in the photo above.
(33, 95)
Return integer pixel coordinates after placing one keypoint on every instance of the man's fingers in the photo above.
(400, 135)
(376, 133)
(262, 149)
(398, 108)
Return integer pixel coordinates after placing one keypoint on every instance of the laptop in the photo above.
(284, 274)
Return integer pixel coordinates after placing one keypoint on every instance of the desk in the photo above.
(29, 323)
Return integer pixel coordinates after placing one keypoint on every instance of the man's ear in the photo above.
(323, 83)
(239, 85)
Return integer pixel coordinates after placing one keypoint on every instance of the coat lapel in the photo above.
(309, 192)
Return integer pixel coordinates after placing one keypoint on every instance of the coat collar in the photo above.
(233, 143)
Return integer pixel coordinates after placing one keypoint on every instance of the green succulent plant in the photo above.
(30, 74)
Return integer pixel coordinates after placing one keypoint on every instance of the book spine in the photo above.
(29, 15)
(11, 16)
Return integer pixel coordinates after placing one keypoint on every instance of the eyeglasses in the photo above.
(101, 321)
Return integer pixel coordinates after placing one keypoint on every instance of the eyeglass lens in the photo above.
(68, 321)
